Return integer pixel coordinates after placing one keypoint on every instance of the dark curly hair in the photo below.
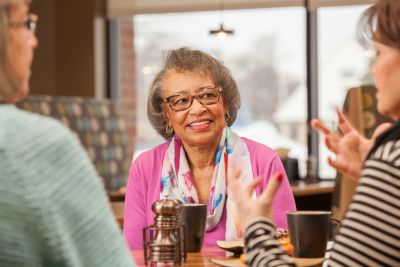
(186, 59)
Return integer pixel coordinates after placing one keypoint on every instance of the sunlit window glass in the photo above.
(342, 64)
(266, 56)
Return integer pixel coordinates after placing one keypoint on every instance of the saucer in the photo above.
(236, 247)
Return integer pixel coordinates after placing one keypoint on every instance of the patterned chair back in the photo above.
(360, 106)
(98, 125)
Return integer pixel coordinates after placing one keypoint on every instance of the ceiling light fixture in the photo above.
(221, 32)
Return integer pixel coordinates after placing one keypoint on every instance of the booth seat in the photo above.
(100, 128)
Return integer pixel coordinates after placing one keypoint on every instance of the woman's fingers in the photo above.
(272, 187)
(344, 124)
(236, 188)
(333, 163)
(341, 116)
(332, 142)
(338, 165)
(348, 170)
(331, 139)
(233, 181)
(319, 126)
(252, 186)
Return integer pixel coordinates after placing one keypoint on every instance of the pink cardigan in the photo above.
(143, 189)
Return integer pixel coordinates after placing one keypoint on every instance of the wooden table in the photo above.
(118, 209)
(301, 188)
(204, 257)
(193, 259)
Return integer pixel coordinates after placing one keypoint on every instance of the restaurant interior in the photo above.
(97, 58)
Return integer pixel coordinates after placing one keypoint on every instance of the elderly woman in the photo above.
(53, 209)
(370, 232)
(192, 103)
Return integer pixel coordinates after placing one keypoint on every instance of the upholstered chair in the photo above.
(99, 127)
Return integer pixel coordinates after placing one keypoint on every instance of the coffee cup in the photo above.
(309, 232)
(193, 217)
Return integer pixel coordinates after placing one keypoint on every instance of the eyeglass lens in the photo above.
(208, 96)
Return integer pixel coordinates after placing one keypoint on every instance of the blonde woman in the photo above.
(53, 209)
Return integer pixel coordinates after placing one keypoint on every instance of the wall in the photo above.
(127, 77)
(65, 61)
(72, 45)
(43, 79)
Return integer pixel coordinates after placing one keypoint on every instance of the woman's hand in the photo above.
(249, 208)
(350, 147)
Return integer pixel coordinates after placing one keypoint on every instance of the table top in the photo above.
(204, 258)
(302, 188)
(118, 209)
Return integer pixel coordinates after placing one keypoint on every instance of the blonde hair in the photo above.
(380, 22)
(9, 86)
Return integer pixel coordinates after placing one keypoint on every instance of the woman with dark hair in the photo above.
(370, 231)
(53, 208)
(192, 103)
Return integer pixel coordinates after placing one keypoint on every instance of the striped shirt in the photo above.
(370, 232)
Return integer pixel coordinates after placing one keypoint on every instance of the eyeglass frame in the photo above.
(192, 97)
(29, 23)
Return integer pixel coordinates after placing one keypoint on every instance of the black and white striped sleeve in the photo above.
(370, 232)
(262, 246)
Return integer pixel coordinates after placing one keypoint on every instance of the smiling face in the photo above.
(386, 72)
(21, 43)
(199, 125)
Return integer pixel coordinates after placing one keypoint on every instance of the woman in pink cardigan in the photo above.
(192, 103)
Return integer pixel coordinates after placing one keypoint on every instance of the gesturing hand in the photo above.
(245, 205)
(350, 147)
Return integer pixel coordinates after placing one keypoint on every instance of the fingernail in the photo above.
(280, 176)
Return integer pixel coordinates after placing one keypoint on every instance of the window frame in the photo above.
(117, 8)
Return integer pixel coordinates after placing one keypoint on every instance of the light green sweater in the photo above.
(53, 208)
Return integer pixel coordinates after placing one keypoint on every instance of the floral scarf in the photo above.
(177, 181)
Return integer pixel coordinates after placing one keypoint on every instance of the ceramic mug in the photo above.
(194, 216)
(310, 232)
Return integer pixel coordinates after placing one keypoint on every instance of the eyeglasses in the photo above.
(29, 23)
(207, 96)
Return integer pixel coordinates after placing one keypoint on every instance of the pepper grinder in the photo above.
(311, 169)
(164, 240)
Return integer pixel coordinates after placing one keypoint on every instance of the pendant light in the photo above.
(221, 32)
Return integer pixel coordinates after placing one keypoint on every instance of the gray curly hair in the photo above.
(9, 86)
(186, 59)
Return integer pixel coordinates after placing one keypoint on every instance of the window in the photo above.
(266, 57)
(342, 64)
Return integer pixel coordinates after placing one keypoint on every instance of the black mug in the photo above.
(194, 216)
(310, 232)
